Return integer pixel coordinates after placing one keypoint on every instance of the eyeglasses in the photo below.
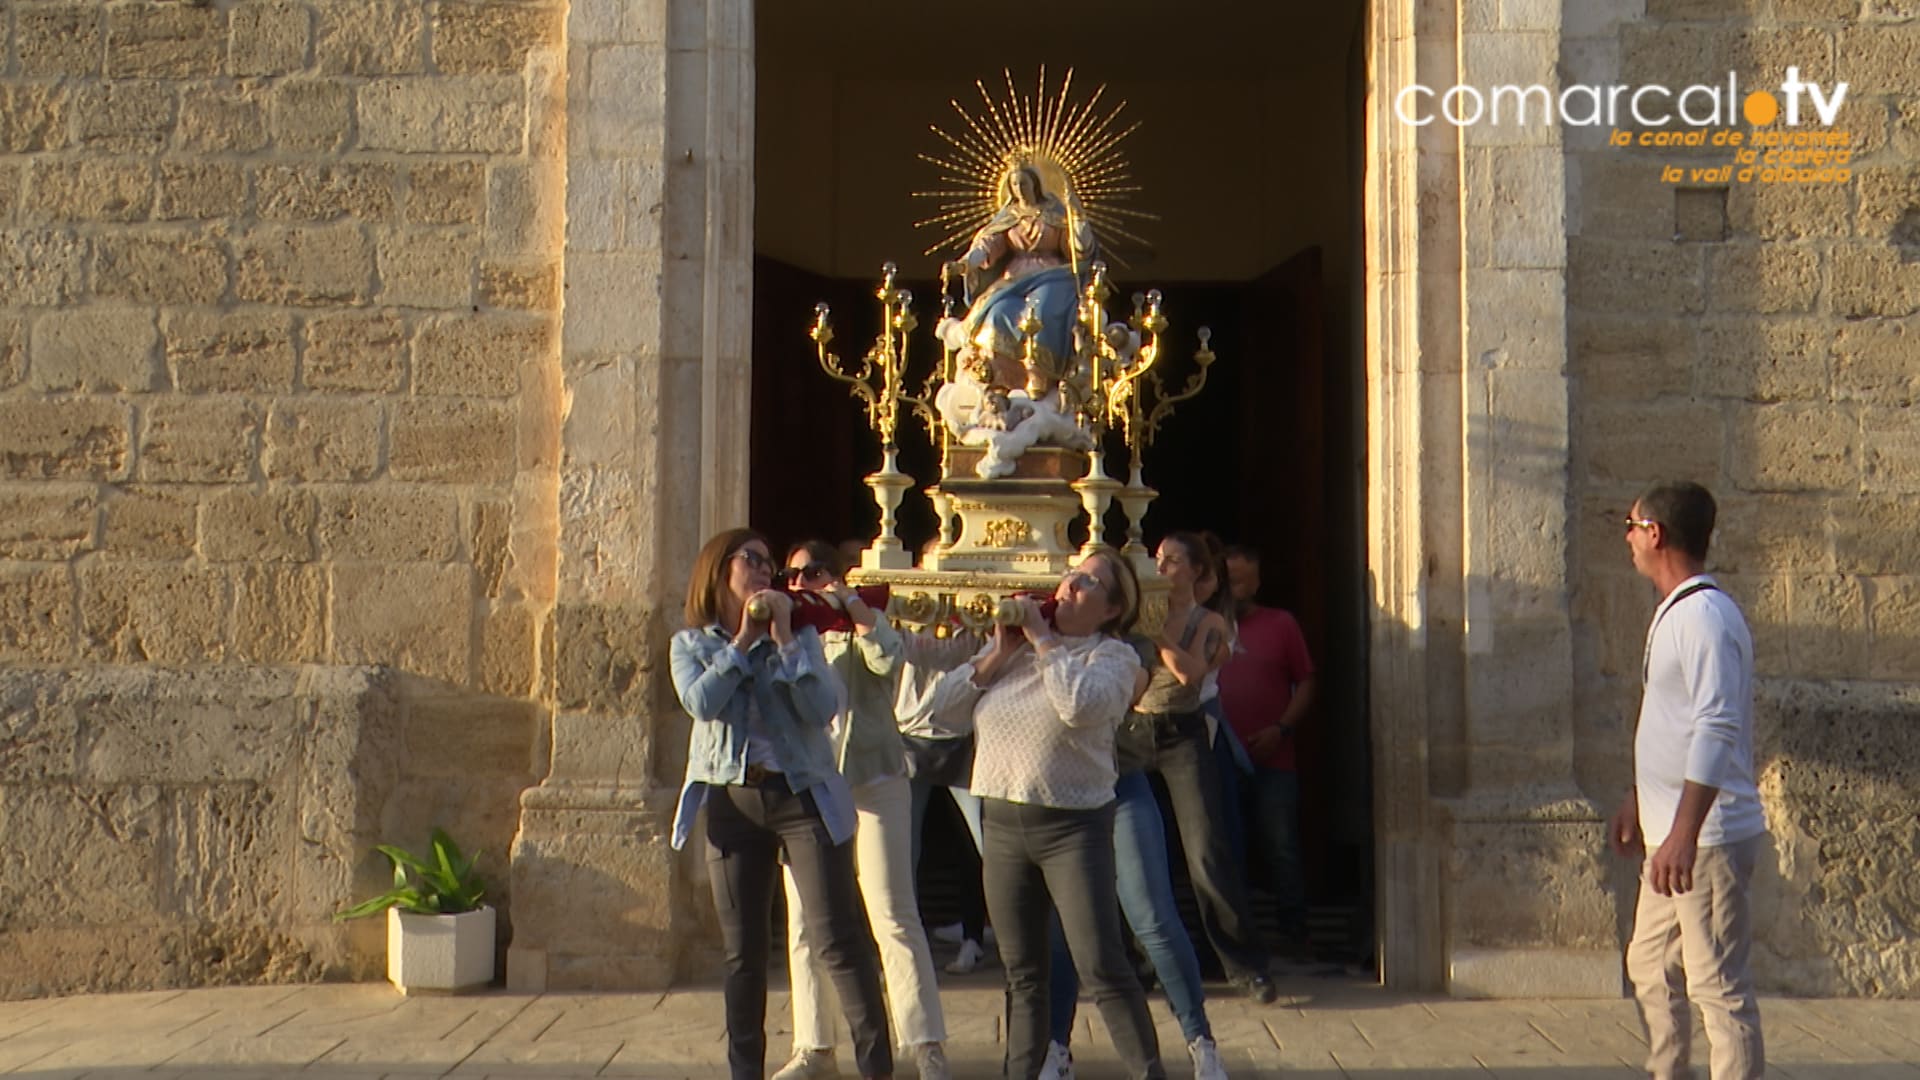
(1640, 523)
(1081, 581)
(814, 572)
(753, 559)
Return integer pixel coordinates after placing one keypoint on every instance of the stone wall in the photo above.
(279, 375)
(1765, 341)
(186, 828)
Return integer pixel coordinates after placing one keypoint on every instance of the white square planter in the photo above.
(439, 953)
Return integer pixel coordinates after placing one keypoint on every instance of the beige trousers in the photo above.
(1694, 947)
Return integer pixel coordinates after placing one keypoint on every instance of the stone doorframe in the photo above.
(1467, 445)
(1487, 853)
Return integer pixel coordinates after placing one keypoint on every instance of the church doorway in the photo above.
(1249, 151)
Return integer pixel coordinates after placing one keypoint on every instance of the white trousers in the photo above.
(1693, 948)
(883, 858)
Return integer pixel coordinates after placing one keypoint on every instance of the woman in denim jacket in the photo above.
(760, 764)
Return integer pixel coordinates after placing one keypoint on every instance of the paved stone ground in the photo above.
(1322, 1029)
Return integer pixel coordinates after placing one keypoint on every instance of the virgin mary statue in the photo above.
(1036, 248)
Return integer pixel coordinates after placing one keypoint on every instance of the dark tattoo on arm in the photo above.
(1213, 647)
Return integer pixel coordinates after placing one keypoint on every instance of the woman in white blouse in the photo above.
(1043, 702)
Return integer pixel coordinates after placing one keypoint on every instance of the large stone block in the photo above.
(222, 120)
(251, 526)
(164, 41)
(613, 122)
(13, 350)
(1776, 212)
(199, 440)
(311, 115)
(452, 441)
(458, 735)
(71, 192)
(447, 193)
(1756, 534)
(198, 190)
(1828, 617)
(369, 37)
(152, 522)
(427, 269)
(232, 351)
(93, 861)
(607, 659)
(320, 266)
(1872, 281)
(1872, 534)
(531, 284)
(171, 266)
(1889, 450)
(153, 613)
(1657, 279)
(311, 439)
(509, 649)
(325, 192)
(34, 117)
(1630, 358)
(59, 39)
(94, 348)
(1885, 58)
(416, 617)
(1889, 200)
(1763, 278)
(189, 727)
(36, 614)
(279, 614)
(40, 268)
(268, 37)
(10, 180)
(1873, 362)
(1631, 446)
(64, 438)
(472, 114)
(388, 524)
(579, 870)
(226, 851)
(478, 355)
(1770, 360)
(524, 208)
(122, 118)
(1793, 448)
(362, 350)
(484, 37)
(1893, 611)
(47, 522)
(490, 542)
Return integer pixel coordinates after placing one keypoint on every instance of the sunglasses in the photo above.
(813, 572)
(753, 559)
(1081, 581)
(1640, 523)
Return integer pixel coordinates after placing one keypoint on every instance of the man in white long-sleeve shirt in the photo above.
(1694, 804)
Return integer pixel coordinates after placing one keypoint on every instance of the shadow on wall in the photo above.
(167, 828)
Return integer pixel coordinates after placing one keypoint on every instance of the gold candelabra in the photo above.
(1127, 407)
(878, 383)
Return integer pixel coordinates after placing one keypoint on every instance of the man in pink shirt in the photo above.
(1266, 689)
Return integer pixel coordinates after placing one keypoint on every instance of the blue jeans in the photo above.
(1234, 768)
(1145, 883)
(1275, 795)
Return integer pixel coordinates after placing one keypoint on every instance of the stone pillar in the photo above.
(654, 451)
(1490, 872)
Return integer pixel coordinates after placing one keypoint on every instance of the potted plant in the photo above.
(439, 934)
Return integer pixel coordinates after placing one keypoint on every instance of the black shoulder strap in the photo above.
(1646, 655)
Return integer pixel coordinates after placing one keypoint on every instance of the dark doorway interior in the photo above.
(1268, 454)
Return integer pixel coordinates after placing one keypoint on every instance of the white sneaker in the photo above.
(809, 1064)
(1059, 1063)
(969, 959)
(932, 1059)
(950, 934)
(1206, 1060)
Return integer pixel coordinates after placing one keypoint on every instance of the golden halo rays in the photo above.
(1075, 146)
